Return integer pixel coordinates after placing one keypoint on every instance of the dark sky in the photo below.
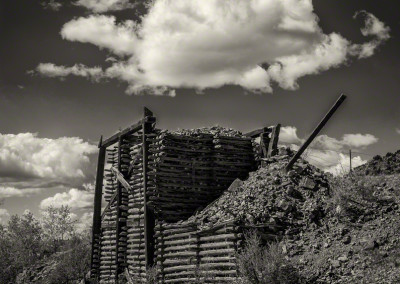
(76, 107)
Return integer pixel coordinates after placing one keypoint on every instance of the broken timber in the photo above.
(315, 132)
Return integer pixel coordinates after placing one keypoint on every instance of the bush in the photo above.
(74, 262)
(264, 265)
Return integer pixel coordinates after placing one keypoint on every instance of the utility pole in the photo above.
(350, 160)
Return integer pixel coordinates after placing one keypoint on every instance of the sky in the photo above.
(71, 71)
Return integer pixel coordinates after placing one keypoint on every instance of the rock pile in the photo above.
(281, 201)
(381, 165)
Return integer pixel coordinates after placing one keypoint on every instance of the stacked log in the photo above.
(108, 244)
(181, 174)
(188, 170)
(185, 254)
(114, 229)
(135, 252)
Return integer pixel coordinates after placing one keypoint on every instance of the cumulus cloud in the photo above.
(4, 215)
(30, 164)
(329, 153)
(84, 222)
(52, 70)
(25, 154)
(6, 191)
(208, 44)
(101, 6)
(288, 135)
(359, 140)
(74, 198)
(375, 28)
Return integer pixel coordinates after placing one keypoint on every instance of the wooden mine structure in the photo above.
(155, 178)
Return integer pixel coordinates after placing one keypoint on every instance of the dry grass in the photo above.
(264, 265)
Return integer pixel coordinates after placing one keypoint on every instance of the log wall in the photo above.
(183, 174)
(185, 254)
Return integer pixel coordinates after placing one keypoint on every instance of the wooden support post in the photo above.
(315, 132)
(96, 229)
(149, 220)
(118, 223)
(273, 142)
(264, 143)
(350, 162)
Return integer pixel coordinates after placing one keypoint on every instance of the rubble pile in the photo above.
(271, 197)
(213, 130)
(365, 249)
(381, 165)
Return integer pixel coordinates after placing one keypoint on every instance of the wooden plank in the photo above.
(257, 132)
(264, 142)
(273, 142)
(118, 270)
(96, 230)
(121, 179)
(133, 128)
(315, 132)
(149, 219)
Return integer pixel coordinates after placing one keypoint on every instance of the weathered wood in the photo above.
(96, 230)
(257, 132)
(315, 132)
(121, 179)
(273, 143)
(119, 203)
(114, 138)
(149, 220)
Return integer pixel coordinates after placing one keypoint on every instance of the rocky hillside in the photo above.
(381, 165)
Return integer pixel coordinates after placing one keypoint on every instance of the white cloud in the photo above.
(328, 153)
(101, 6)
(375, 28)
(288, 135)
(84, 222)
(6, 191)
(52, 70)
(359, 140)
(74, 198)
(207, 44)
(104, 32)
(343, 165)
(27, 155)
(398, 130)
(4, 215)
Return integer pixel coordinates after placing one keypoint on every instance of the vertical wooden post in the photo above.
(96, 229)
(264, 142)
(149, 220)
(273, 143)
(118, 204)
(350, 161)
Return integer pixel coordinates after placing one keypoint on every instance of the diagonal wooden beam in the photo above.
(120, 177)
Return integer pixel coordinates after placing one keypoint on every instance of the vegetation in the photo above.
(26, 242)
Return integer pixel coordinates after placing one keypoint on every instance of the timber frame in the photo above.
(268, 147)
(144, 125)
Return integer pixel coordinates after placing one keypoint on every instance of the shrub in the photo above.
(264, 264)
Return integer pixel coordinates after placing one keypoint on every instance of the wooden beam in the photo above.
(149, 219)
(96, 229)
(118, 270)
(315, 132)
(113, 139)
(121, 179)
(257, 132)
(109, 204)
(273, 142)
